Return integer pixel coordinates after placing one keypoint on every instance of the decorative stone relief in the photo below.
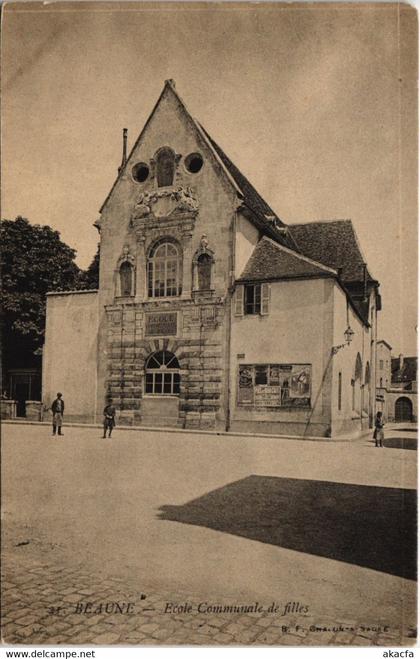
(180, 199)
(126, 256)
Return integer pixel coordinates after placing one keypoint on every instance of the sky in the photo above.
(316, 104)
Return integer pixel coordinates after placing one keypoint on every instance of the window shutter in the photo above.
(265, 299)
(239, 301)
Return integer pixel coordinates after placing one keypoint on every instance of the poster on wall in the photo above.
(245, 385)
(267, 396)
(300, 382)
(274, 385)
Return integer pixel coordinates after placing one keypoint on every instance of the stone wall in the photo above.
(70, 353)
(198, 346)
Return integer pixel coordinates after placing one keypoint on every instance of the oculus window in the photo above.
(194, 163)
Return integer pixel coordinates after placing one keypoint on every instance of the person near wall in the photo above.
(379, 430)
(109, 418)
(57, 409)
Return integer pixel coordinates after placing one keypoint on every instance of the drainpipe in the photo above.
(229, 318)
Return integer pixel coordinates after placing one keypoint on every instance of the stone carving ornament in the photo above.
(183, 199)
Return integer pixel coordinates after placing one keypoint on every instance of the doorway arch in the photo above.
(403, 409)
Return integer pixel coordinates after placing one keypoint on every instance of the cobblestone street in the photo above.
(41, 603)
(79, 567)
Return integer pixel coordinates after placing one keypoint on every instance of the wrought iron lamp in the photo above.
(348, 335)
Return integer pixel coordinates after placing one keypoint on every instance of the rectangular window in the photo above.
(252, 299)
(381, 364)
(256, 299)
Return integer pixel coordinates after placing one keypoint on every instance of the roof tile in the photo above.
(270, 261)
(334, 244)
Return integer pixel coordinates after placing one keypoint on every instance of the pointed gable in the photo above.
(260, 213)
(271, 261)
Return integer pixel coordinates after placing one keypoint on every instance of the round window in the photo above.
(194, 162)
(140, 172)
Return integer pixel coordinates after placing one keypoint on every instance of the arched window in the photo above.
(162, 374)
(366, 389)
(164, 270)
(165, 166)
(126, 279)
(356, 384)
(367, 373)
(204, 262)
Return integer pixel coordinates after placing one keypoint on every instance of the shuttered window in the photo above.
(239, 301)
(256, 299)
(265, 299)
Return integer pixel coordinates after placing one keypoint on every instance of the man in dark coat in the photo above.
(109, 418)
(57, 408)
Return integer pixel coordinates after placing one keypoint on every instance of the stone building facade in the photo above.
(396, 385)
(212, 312)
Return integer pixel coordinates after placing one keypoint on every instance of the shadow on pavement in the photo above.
(401, 442)
(374, 527)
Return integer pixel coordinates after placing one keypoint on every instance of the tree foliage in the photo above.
(89, 279)
(34, 261)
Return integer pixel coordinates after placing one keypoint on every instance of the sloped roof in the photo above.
(253, 200)
(263, 215)
(408, 373)
(385, 343)
(334, 244)
(362, 306)
(271, 261)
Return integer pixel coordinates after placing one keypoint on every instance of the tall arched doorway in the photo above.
(160, 403)
(403, 409)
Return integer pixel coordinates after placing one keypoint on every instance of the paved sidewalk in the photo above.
(51, 604)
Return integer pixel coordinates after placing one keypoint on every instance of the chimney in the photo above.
(124, 150)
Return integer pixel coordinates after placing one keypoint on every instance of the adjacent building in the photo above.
(396, 385)
(212, 312)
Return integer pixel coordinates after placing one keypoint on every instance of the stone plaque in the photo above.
(161, 324)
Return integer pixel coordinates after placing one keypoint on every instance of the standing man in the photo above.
(379, 430)
(57, 408)
(109, 418)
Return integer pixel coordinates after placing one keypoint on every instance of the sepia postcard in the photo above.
(209, 324)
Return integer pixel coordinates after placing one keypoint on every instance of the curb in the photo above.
(191, 431)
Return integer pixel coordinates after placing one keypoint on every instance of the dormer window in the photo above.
(165, 167)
